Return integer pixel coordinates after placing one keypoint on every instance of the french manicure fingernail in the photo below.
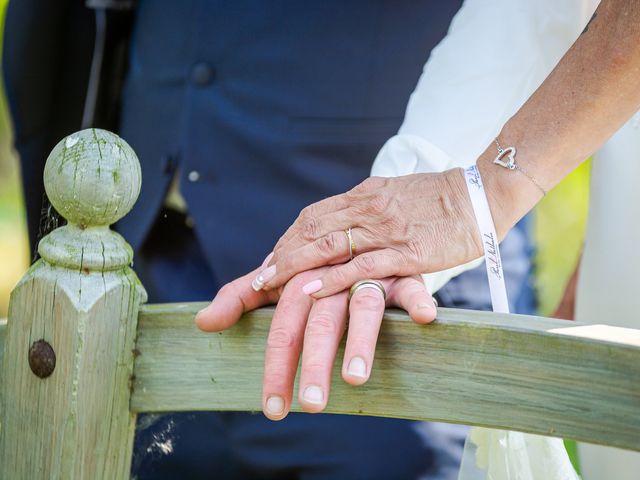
(357, 367)
(312, 287)
(275, 405)
(313, 394)
(266, 275)
(257, 284)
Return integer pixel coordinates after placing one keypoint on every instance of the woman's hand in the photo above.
(400, 226)
(313, 329)
(424, 222)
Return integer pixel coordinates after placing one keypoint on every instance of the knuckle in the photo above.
(374, 183)
(367, 299)
(310, 229)
(361, 188)
(322, 324)
(314, 368)
(368, 190)
(378, 182)
(416, 288)
(338, 276)
(327, 244)
(280, 338)
(379, 204)
(274, 380)
(306, 213)
(365, 264)
(362, 344)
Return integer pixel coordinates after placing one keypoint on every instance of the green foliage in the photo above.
(13, 237)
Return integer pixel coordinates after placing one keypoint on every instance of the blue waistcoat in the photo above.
(263, 107)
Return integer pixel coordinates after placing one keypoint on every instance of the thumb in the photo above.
(231, 302)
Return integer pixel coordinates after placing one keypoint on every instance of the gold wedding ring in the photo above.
(367, 284)
(352, 244)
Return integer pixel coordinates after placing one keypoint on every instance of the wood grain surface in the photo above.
(479, 368)
(3, 334)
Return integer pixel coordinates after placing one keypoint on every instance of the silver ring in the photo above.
(352, 244)
(369, 283)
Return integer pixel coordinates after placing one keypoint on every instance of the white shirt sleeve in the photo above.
(495, 55)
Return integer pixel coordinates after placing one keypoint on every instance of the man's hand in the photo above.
(314, 328)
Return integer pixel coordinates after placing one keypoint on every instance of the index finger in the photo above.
(292, 237)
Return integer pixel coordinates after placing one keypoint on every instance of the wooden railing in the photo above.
(3, 334)
(82, 306)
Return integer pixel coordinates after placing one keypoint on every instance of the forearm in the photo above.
(588, 96)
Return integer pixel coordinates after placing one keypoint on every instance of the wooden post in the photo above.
(68, 357)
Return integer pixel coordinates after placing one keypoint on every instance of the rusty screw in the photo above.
(42, 359)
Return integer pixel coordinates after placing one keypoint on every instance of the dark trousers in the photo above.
(236, 445)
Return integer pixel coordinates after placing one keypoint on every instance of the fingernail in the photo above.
(357, 367)
(266, 275)
(275, 405)
(267, 260)
(425, 306)
(312, 287)
(257, 284)
(313, 394)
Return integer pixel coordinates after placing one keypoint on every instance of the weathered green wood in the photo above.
(3, 334)
(505, 371)
(82, 299)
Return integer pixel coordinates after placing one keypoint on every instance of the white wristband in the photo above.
(489, 238)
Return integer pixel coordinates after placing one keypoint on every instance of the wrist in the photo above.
(458, 195)
(509, 193)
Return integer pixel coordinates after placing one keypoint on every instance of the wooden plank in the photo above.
(479, 368)
(3, 334)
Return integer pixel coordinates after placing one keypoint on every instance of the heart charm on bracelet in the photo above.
(510, 153)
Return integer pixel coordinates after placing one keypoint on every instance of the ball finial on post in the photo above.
(68, 358)
(92, 178)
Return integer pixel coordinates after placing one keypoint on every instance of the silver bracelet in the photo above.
(510, 154)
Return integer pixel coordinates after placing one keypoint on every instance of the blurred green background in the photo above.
(14, 254)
